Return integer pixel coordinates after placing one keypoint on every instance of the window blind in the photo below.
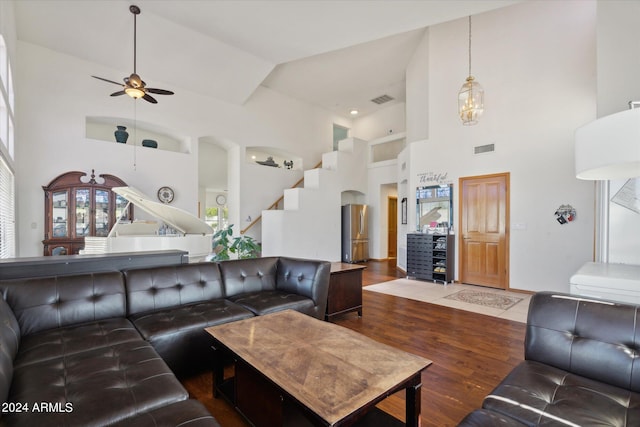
(7, 212)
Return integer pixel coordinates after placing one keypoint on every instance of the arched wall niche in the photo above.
(102, 128)
(279, 158)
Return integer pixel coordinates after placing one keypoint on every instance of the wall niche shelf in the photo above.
(103, 128)
(384, 151)
(279, 158)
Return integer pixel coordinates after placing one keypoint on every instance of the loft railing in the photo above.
(275, 205)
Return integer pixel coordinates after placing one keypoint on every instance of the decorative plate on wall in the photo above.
(165, 194)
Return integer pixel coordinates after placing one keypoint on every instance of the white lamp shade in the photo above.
(609, 148)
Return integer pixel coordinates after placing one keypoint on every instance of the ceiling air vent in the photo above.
(382, 99)
(480, 149)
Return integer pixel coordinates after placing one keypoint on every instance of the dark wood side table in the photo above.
(345, 289)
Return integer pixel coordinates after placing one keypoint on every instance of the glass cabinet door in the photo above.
(83, 212)
(60, 213)
(102, 213)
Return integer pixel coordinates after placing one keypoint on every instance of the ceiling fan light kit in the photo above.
(134, 92)
(133, 85)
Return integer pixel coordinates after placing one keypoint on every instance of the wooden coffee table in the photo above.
(292, 369)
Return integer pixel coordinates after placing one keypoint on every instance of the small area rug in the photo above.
(487, 299)
(490, 302)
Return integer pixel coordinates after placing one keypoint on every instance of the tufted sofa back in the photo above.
(43, 303)
(299, 276)
(157, 288)
(9, 341)
(595, 339)
(249, 275)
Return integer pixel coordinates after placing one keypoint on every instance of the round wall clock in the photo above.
(221, 200)
(165, 194)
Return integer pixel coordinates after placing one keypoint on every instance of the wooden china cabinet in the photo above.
(77, 205)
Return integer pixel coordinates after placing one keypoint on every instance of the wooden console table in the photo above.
(345, 289)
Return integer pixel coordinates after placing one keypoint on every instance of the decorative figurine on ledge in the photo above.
(288, 164)
(268, 162)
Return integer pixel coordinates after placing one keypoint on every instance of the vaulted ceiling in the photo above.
(335, 54)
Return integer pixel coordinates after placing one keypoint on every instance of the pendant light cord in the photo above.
(469, 45)
(135, 135)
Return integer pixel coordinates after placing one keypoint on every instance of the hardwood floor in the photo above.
(471, 353)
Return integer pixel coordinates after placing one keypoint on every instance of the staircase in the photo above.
(309, 226)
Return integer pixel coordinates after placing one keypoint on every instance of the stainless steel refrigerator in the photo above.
(355, 233)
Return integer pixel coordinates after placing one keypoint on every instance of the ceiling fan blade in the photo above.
(159, 91)
(106, 80)
(118, 93)
(149, 98)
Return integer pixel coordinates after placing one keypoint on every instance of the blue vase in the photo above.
(121, 134)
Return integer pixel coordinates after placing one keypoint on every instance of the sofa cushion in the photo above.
(178, 334)
(152, 289)
(188, 413)
(95, 387)
(538, 394)
(52, 302)
(265, 302)
(72, 339)
(596, 339)
(9, 343)
(249, 275)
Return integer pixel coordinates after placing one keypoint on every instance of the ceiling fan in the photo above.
(133, 85)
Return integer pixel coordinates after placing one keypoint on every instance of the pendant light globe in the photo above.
(470, 101)
(470, 96)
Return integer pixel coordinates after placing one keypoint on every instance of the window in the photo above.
(7, 212)
(7, 179)
(6, 100)
(339, 133)
(217, 218)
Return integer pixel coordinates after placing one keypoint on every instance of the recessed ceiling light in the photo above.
(354, 112)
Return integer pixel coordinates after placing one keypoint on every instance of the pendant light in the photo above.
(470, 96)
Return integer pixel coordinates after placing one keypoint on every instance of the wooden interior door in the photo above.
(484, 215)
(392, 239)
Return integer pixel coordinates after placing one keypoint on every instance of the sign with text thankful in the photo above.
(434, 178)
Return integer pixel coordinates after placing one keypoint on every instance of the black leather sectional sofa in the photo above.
(581, 368)
(105, 348)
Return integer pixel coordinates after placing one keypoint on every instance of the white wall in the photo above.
(418, 92)
(384, 122)
(55, 93)
(536, 62)
(618, 55)
(381, 124)
(618, 62)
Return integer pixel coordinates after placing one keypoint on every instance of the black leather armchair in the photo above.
(581, 367)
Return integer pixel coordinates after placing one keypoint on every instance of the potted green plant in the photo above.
(224, 244)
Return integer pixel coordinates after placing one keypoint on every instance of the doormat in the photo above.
(487, 299)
